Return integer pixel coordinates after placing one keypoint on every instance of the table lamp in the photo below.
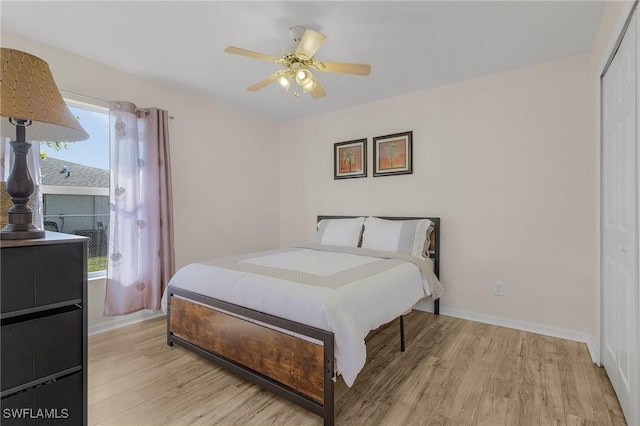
(32, 108)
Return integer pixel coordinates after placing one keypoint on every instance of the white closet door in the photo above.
(620, 320)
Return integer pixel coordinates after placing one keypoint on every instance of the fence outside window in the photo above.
(85, 215)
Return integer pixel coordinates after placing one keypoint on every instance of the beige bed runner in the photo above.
(387, 261)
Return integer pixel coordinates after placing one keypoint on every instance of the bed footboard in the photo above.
(299, 369)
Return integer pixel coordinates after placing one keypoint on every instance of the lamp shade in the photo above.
(28, 92)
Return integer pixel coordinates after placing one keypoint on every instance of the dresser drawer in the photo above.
(41, 347)
(59, 273)
(55, 403)
(43, 338)
(17, 277)
(16, 354)
(15, 409)
(41, 275)
(58, 342)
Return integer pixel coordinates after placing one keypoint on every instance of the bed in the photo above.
(293, 320)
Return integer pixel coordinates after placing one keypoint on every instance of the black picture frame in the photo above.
(396, 147)
(350, 159)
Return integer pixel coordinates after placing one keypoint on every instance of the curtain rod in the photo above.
(101, 100)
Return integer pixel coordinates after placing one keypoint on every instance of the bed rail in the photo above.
(298, 369)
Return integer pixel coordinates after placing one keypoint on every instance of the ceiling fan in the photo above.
(298, 62)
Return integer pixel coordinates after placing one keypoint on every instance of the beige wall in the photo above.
(224, 161)
(507, 162)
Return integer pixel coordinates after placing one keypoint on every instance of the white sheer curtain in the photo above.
(33, 161)
(141, 256)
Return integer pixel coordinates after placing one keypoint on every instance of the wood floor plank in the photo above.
(109, 407)
(173, 373)
(467, 372)
(579, 421)
(121, 339)
(507, 364)
(611, 401)
(541, 397)
(495, 410)
(454, 372)
(438, 420)
(414, 413)
(581, 395)
(615, 411)
(543, 348)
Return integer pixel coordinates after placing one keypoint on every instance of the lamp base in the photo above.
(20, 186)
(34, 233)
(20, 226)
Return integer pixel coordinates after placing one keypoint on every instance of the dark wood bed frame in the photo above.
(301, 370)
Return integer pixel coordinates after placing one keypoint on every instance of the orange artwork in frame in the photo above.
(392, 154)
(350, 159)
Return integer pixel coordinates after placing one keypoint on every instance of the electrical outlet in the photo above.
(498, 288)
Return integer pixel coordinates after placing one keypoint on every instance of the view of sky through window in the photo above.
(94, 152)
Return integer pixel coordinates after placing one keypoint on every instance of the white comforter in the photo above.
(349, 311)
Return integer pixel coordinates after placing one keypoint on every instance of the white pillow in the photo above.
(400, 236)
(340, 232)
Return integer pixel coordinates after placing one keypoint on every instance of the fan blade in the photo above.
(259, 85)
(317, 91)
(343, 68)
(310, 43)
(250, 54)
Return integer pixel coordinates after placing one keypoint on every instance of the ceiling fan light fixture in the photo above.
(285, 80)
(298, 61)
(309, 86)
(284, 83)
(304, 77)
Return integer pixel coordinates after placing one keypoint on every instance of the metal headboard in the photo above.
(433, 254)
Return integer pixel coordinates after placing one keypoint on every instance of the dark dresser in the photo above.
(43, 315)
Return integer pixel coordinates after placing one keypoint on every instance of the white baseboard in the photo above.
(117, 322)
(545, 330)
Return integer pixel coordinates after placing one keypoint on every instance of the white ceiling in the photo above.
(411, 46)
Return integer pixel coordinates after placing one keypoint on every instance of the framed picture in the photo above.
(393, 154)
(350, 159)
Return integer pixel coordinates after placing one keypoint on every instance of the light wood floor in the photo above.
(454, 372)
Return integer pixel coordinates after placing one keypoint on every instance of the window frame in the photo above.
(93, 105)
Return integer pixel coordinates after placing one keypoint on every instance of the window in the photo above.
(75, 184)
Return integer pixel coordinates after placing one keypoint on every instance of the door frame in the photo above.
(624, 21)
(621, 26)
